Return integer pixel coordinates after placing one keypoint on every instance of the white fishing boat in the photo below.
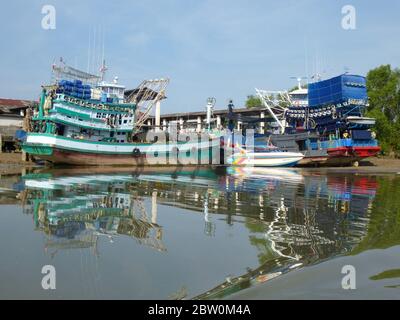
(268, 157)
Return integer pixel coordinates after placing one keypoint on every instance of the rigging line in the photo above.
(88, 62)
(98, 55)
(306, 57)
(102, 59)
(94, 50)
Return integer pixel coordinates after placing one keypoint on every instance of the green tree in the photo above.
(303, 86)
(253, 102)
(383, 86)
(383, 90)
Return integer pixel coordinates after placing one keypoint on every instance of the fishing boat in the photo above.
(325, 122)
(265, 157)
(83, 120)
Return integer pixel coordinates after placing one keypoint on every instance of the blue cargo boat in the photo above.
(329, 128)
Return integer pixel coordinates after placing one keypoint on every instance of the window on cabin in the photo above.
(125, 121)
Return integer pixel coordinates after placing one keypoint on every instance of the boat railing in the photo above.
(96, 105)
(339, 143)
(365, 143)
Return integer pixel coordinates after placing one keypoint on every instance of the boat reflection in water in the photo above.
(75, 211)
(304, 218)
(294, 218)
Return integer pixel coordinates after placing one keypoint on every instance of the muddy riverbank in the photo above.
(12, 163)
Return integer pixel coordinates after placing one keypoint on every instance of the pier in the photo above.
(196, 121)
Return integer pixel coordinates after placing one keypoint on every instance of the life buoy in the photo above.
(136, 152)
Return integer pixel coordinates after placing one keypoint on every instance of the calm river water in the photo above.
(192, 233)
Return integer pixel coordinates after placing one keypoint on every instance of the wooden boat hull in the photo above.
(341, 156)
(61, 150)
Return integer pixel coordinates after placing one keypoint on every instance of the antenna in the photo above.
(88, 62)
(102, 58)
(103, 70)
(299, 81)
(98, 57)
(306, 55)
(94, 50)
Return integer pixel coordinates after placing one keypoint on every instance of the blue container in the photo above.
(20, 135)
(337, 90)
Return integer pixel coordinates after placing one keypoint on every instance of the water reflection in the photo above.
(75, 211)
(293, 217)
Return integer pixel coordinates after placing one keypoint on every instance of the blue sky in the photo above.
(216, 48)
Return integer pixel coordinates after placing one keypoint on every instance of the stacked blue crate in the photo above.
(75, 89)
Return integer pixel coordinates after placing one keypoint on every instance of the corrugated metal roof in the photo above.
(15, 103)
(12, 106)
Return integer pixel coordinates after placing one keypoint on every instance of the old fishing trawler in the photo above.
(83, 120)
(325, 122)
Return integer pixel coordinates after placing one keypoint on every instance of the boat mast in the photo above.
(147, 95)
(65, 72)
(276, 103)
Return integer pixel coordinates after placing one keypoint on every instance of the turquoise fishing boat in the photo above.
(83, 120)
